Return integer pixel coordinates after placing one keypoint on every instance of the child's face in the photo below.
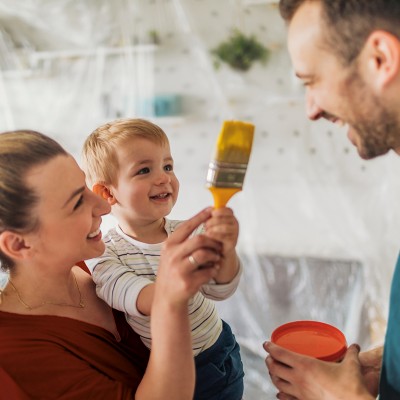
(146, 188)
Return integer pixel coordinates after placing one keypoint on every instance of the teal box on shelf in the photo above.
(162, 105)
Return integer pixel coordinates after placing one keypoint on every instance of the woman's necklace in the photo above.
(28, 307)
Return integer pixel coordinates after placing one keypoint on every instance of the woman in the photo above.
(58, 339)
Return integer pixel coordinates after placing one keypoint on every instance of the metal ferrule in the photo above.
(228, 175)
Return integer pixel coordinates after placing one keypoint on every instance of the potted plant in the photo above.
(240, 51)
(154, 37)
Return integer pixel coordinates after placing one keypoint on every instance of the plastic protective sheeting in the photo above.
(275, 290)
(318, 233)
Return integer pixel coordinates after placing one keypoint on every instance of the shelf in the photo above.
(79, 53)
(36, 57)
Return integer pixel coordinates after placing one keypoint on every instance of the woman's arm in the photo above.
(170, 372)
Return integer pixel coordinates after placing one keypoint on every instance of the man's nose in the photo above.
(313, 111)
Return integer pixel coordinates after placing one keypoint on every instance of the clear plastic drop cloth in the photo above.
(318, 233)
(275, 290)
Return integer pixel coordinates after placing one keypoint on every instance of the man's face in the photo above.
(337, 93)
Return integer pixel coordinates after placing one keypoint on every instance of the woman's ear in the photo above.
(383, 52)
(102, 190)
(14, 245)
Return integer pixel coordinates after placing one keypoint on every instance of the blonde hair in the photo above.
(20, 151)
(99, 158)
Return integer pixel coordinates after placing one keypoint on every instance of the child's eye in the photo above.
(169, 167)
(79, 202)
(144, 171)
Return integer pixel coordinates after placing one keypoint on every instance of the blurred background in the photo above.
(318, 237)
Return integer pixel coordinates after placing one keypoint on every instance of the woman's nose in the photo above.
(101, 206)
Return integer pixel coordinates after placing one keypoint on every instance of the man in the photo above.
(347, 53)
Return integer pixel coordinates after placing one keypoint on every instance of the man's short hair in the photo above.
(348, 23)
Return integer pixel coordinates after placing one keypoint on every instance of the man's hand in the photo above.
(371, 364)
(301, 377)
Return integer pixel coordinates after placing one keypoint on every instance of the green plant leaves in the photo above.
(240, 51)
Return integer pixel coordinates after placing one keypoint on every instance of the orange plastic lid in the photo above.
(311, 338)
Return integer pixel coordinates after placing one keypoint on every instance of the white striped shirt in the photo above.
(127, 266)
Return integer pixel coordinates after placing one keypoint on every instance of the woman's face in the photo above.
(68, 213)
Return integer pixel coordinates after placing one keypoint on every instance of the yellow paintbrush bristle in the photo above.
(228, 168)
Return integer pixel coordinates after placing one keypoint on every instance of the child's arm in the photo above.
(119, 285)
(224, 227)
(145, 299)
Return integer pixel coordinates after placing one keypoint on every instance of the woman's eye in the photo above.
(79, 202)
(144, 171)
(169, 167)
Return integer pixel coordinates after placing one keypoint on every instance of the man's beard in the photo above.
(376, 126)
(378, 136)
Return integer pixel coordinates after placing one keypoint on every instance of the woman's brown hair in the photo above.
(20, 151)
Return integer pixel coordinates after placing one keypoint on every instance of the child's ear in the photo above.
(102, 190)
(14, 245)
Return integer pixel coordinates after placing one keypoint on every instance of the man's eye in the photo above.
(79, 202)
(144, 171)
(169, 167)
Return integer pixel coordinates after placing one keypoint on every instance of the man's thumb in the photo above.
(352, 351)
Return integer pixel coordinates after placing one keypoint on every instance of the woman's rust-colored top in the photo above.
(50, 357)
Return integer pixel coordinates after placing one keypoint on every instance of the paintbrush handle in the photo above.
(222, 195)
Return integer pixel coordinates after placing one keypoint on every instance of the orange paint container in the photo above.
(311, 338)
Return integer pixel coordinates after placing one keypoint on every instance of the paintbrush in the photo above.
(227, 170)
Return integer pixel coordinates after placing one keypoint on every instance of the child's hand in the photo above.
(224, 227)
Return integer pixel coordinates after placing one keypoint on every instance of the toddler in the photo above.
(128, 162)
